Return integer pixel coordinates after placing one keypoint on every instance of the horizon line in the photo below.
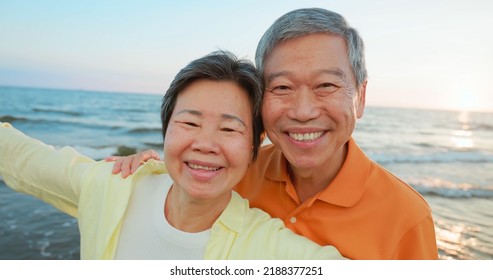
(156, 93)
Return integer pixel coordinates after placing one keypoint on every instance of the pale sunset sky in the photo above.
(420, 53)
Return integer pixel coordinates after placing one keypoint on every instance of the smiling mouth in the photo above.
(202, 167)
(305, 137)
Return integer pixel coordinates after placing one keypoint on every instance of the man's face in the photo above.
(311, 101)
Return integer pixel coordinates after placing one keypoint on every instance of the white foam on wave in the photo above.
(95, 153)
(444, 188)
(438, 157)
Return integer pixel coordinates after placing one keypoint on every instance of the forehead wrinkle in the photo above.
(335, 71)
(331, 71)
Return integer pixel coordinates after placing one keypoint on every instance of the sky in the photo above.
(422, 53)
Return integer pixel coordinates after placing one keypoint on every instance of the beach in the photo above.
(446, 156)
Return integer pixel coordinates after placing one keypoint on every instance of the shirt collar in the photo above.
(277, 169)
(233, 215)
(347, 187)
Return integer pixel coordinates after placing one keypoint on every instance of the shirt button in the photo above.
(293, 220)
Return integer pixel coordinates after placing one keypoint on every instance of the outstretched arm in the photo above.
(129, 164)
(30, 166)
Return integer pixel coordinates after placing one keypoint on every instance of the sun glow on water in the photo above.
(462, 138)
(452, 238)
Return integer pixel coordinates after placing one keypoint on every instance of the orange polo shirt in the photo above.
(366, 212)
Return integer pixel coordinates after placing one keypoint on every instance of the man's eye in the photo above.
(281, 89)
(326, 88)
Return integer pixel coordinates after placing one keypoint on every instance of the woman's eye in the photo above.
(191, 124)
(227, 129)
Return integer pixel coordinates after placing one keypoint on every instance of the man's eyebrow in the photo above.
(233, 117)
(332, 71)
(274, 75)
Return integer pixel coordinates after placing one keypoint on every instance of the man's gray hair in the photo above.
(303, 22)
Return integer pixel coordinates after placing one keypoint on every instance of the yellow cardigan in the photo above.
(87, 190)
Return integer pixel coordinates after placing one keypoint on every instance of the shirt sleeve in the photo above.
(419, 243)
(32, 167)
(285, 244)
(263, 237)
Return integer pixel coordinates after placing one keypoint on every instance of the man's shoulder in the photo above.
(391, 185)
(385, 184)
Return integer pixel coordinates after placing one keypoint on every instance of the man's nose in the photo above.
(304, 106)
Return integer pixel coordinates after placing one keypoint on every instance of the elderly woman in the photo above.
(212, 131)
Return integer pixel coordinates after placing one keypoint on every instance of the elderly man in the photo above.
(314, 176)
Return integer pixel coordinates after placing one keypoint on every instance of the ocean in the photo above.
(446, 156)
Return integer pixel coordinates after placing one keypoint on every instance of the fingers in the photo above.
(111, 158)
(121, 165)
(117, 166)
(141, 158)
(129, 164)
(126, 165)
(137, 160)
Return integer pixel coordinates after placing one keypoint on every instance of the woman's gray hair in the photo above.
(219, 66)
(303, 22)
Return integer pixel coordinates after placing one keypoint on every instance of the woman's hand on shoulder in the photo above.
(129, 164)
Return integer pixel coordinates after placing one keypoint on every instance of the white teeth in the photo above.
(305, 137)
(201, 167)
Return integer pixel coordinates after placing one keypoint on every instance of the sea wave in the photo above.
(455, 192)
(11, 119)
(449, 189)
(141, 130)
(80, 122)
(483, 126)
(96, 153)
(101, 152)
(58, 111)
(154, 145)
(477, 156)
(134, 110)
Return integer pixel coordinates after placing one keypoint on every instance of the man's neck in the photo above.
(311, 181)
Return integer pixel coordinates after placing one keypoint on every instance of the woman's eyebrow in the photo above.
(233, 117)
(190, 111)
(223, 116)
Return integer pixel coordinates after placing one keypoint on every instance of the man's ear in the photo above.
(361, 99)
(262, 137)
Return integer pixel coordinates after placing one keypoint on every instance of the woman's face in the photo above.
(208, 142)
